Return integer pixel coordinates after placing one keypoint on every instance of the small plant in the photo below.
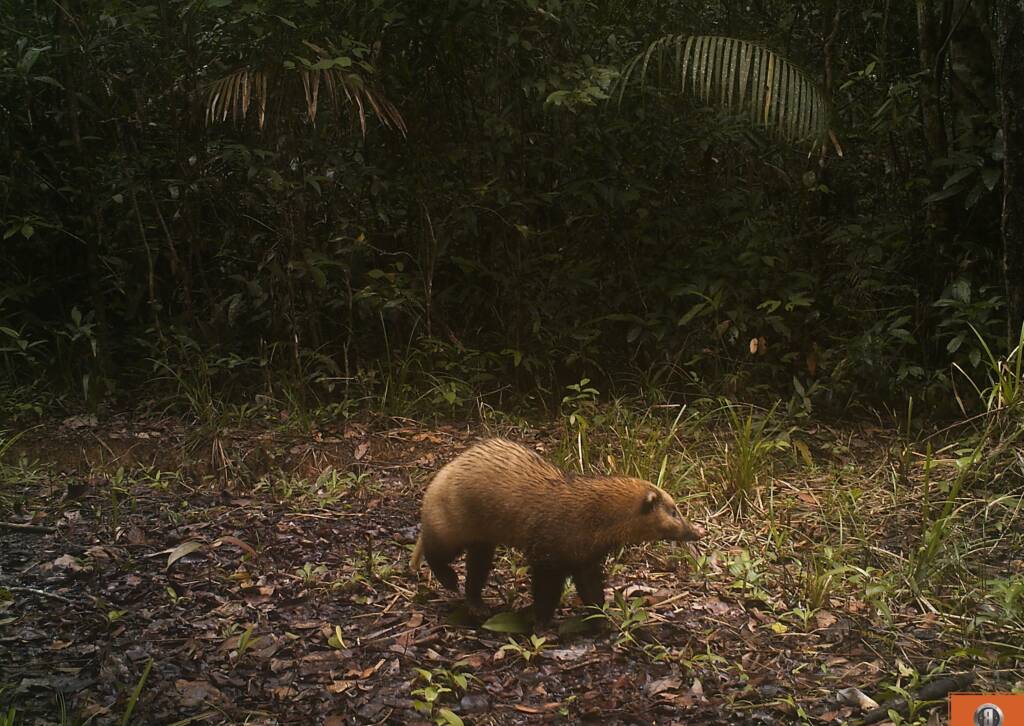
(803, 615)
(337, 640)
(136, 692)
(173, 595)
(527, 651)
(907, 683)
(112, 616)
(1008, 594)
(246, 641)
(311, 574)
(624, 615)
(748, 455)
(748, 577)
(333, 485)
(437, 684)
(935, 533)
(1005, 391)
(816, 582)
(579, 407)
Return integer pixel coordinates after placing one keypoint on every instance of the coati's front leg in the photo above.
(547, 585)
(589, 580)
(479, 558)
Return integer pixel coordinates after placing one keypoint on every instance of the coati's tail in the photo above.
(417, 555)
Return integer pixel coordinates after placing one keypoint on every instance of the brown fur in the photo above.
(500, 493)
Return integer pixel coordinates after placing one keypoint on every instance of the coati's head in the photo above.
(663, 519)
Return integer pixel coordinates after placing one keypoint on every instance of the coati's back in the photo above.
(486, 493)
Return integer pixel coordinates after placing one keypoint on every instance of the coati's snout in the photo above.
(691, 532)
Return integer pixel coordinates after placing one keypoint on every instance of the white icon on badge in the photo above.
(988, 714)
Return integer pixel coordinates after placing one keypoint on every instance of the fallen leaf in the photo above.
(98, 552)
(195, 692)
(825, 619)
(229, 539)
(856, 697)
(67, 562)
(546, 708)
(662, 684)
(365, 672)
(186, 548)
(339, 686)
(361, 450)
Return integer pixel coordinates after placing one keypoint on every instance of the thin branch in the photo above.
(43, 593)
(21, 527)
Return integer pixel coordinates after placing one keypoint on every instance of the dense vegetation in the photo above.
(435, 201)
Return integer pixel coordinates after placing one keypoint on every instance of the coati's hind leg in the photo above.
(440, 558)
(479, 558)
(547, 585)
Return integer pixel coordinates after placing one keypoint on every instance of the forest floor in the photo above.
(262, 577)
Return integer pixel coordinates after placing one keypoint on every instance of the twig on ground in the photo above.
(21, 527)
(43, 593)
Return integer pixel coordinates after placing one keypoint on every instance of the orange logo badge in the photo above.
(986, 709)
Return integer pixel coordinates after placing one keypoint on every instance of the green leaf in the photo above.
(990, 176)
(944, 194)
(508, 622)
(577, 625)
(958, 177)
(48, 81)
(449, 717)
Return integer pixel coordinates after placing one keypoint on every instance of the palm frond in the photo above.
(234, 94)
(739, 76)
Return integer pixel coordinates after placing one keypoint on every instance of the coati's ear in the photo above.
(650, 500)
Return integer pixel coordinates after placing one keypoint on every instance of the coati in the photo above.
(500, 493)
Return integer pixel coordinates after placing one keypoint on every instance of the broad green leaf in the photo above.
(449, 717)
(508, 622)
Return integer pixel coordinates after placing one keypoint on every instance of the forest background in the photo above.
(430, 205)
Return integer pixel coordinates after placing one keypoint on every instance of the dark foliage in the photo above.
(522, 235)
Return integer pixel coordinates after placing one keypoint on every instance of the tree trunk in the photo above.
(931, 110)
(1010, 69)
(936, 143)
